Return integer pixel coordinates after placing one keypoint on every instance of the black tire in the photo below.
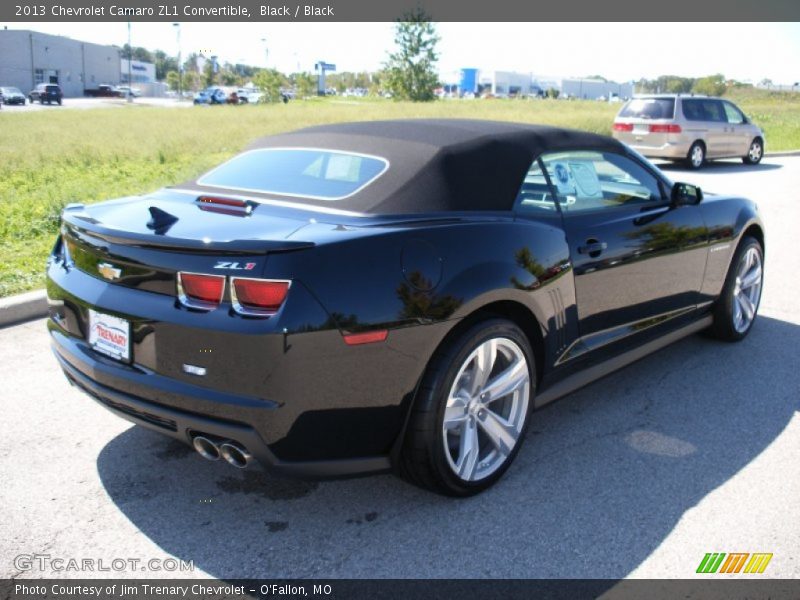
(724, 312)
(696, 157)
(59, 101)
(754, 153)
(422, 460)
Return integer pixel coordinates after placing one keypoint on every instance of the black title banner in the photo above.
(382, 10)
(399, 589)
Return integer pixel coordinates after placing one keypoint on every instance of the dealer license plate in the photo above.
(109, 335)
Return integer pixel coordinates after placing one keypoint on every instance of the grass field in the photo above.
(50, 158)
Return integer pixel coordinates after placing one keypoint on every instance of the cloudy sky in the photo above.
(619, 51)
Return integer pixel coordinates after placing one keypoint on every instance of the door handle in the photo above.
(592, 248)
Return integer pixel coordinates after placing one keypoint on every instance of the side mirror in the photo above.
(685, 194)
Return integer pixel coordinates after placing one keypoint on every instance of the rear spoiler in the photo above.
(82, 225)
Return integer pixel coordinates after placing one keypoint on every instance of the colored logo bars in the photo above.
(733, 562)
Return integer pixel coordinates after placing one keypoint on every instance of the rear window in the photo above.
(54, 88)
(304, 172)
(649, 108)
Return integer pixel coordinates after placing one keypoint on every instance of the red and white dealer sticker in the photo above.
(109, 335)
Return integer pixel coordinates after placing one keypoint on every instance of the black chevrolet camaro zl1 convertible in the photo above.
(396, 295)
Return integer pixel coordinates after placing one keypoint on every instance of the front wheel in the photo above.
(755, 153)
(737, 306)
(471, 411)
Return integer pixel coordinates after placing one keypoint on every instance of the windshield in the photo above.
(304, 172)
(649, 108)
(10, 90)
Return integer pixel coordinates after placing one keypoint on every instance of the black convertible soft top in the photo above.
(434, 164)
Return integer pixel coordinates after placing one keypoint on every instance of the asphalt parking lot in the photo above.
(694, 449)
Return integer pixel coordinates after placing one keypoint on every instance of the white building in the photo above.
(28, 58)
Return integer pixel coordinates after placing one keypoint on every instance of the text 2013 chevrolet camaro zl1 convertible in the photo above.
(398, 295)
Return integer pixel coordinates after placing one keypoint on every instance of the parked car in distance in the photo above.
(212, 95)
(104, 90)
(689, 128)
(46, 93)
(12, 95)
(249, 95)
(392, 295)
(126, 91)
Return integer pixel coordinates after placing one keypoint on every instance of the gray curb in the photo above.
(23, 307)
(783, 153)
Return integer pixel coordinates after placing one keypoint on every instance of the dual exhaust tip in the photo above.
(211, 449)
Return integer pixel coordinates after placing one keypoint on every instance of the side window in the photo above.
(586, 180)
(733, 114)
(713, 111)
(692, 110)
(534, 196)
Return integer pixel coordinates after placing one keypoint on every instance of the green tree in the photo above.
(269, 81)
(164, 64)
(173, 80)
(306, 85)
(191, 81)
(713, 85)
(208, 73)
(411, 70)
(190, 64)
(228, 76)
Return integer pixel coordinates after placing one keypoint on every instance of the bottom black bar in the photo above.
(711, 587)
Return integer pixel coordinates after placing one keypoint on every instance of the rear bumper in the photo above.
(671, 150)
(103, 380)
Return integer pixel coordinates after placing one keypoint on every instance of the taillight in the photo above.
(670, 128)
(197, 290)
(261, 297)
(623, 126)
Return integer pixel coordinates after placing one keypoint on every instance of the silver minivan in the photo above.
(689, 128)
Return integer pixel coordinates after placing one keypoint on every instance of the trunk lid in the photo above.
(143, 242)
(172, 220)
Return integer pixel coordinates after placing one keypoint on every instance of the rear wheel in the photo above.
(471, 411)
(755, 153)
(737, 306)
(696, 156)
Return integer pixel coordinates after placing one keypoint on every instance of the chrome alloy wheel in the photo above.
(486, 409)
(755, 151)
(698, 156)
(747, 289)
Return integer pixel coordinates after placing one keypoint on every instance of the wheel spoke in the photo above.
(753, 276)
(483, 363)
(499, 431)
(510, 380)
(747, 306)
(737, 313)
(455, 413)
(468, 452)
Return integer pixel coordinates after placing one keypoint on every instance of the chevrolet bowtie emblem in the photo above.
(109, 271)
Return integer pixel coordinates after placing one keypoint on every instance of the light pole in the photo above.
(180, 63)
(130, 60)
(266, 53)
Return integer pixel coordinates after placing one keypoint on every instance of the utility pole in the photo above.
(130, 60)
(180, 62)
